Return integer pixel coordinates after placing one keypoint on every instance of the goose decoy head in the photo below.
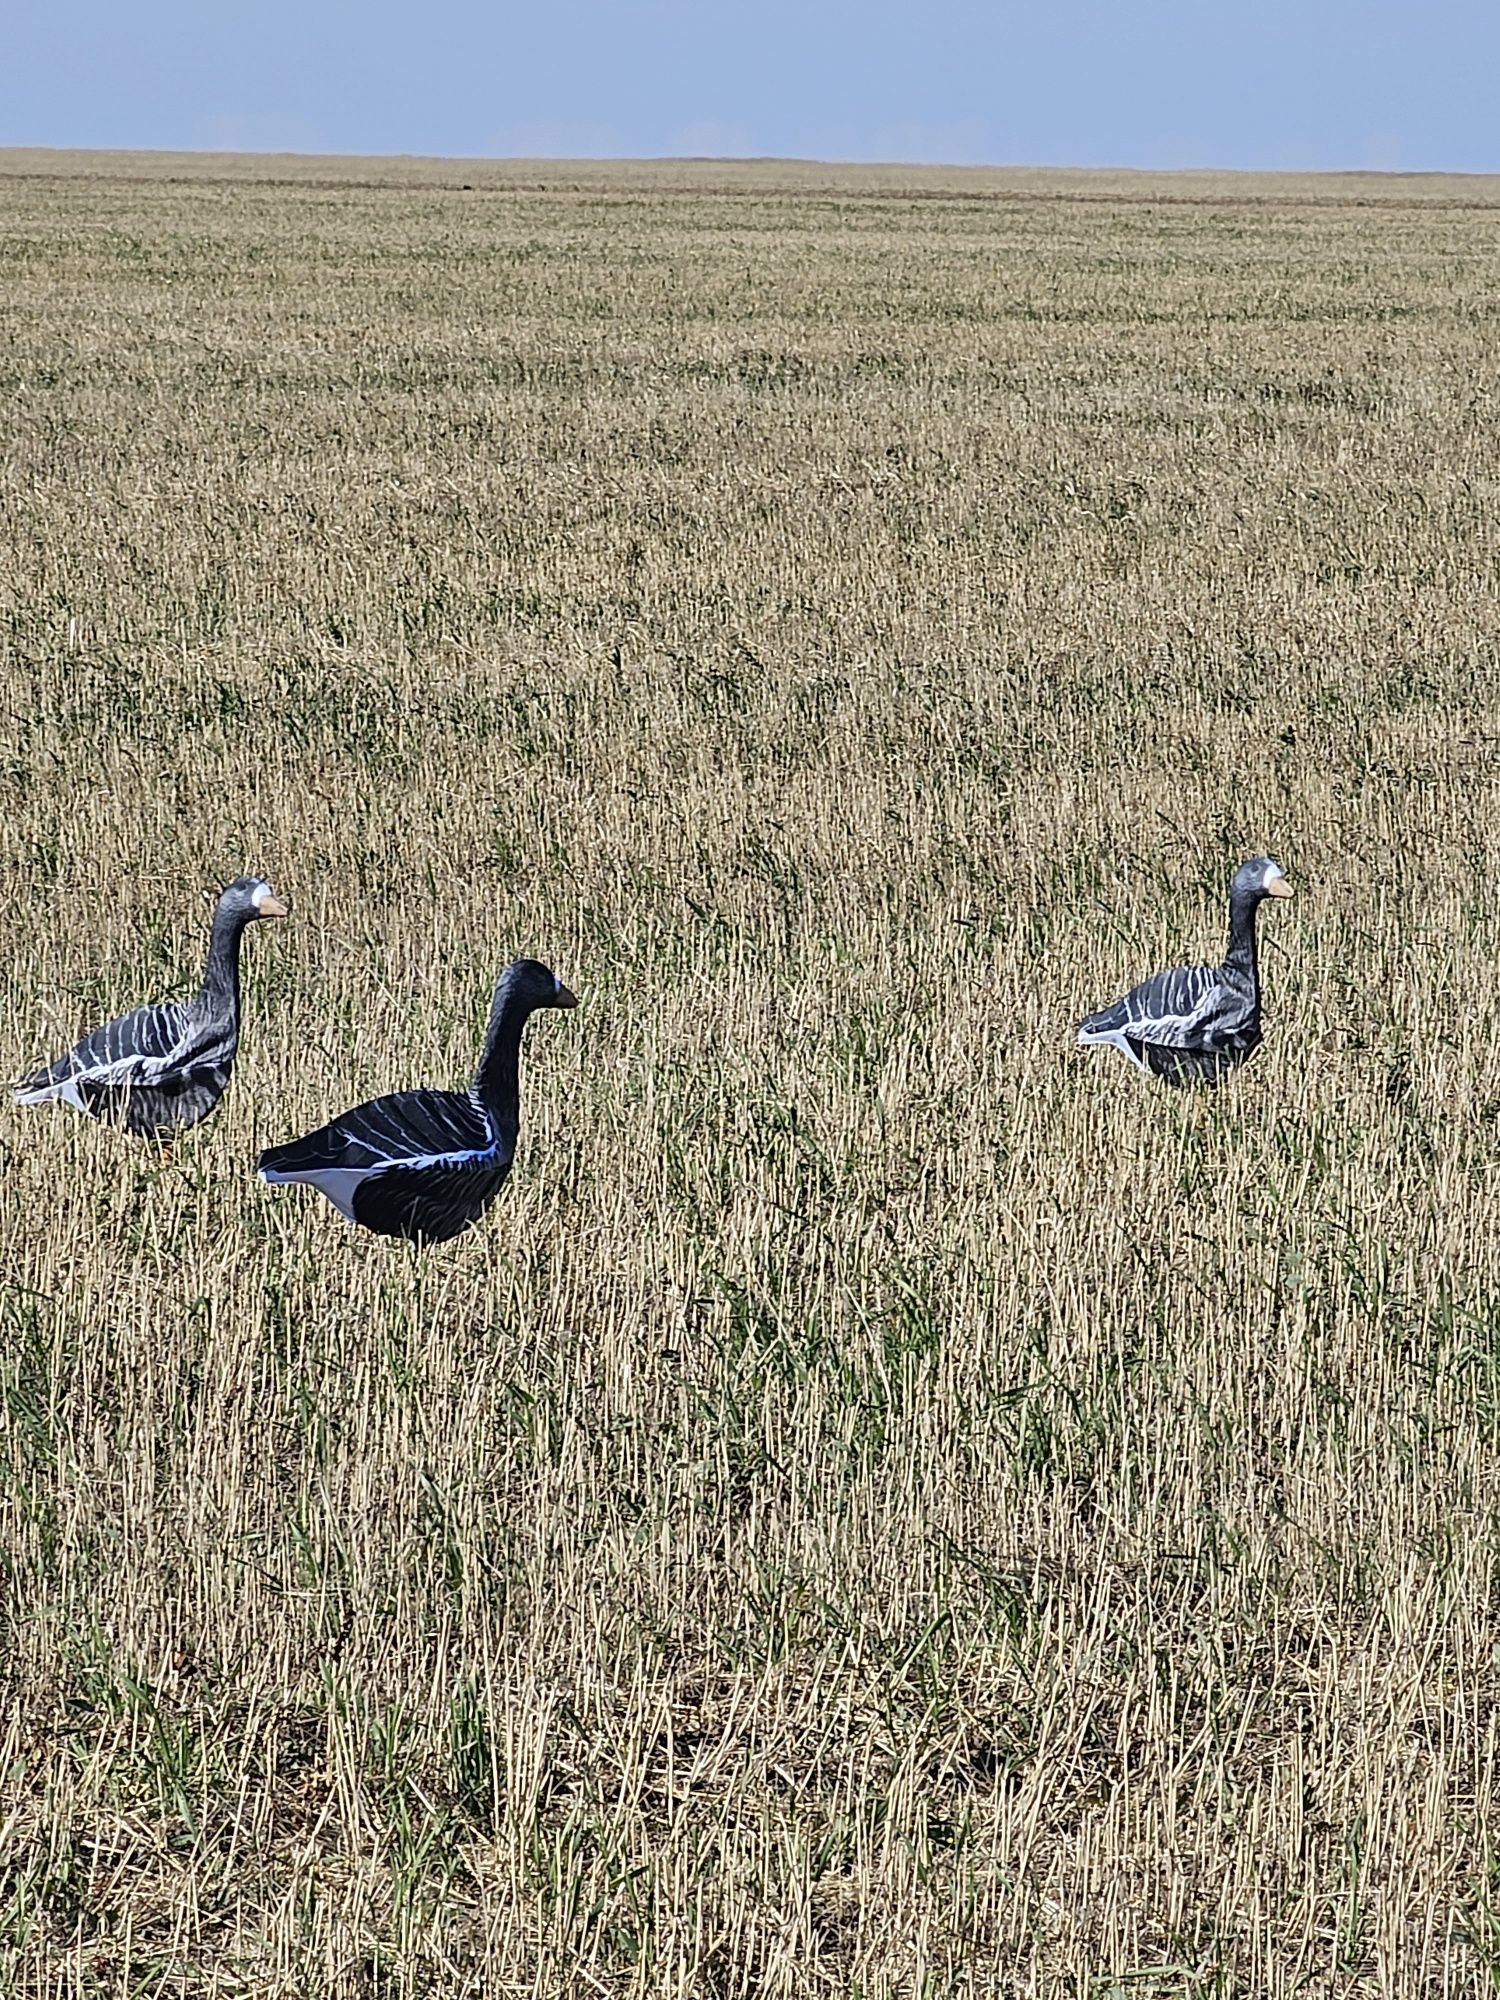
(1258, 878)
(528, 980)
(249, 897)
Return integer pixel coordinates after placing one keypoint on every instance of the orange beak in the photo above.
(270, 906)
(1278, 886)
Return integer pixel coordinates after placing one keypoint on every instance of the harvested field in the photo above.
(888, 1504)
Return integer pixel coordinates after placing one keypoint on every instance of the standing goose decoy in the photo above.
(1196, 1023)
(164, 1067)
(425, 1164)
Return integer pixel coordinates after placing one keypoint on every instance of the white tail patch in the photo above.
(66, 1092)
(1109, 1038)
(340, 1184)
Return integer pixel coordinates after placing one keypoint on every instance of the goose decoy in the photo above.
(425, 1164)
(164, 1067)
(1197, 1022)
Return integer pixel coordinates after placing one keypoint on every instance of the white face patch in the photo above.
(1273, 873)
(262, 895)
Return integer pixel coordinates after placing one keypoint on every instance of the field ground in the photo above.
(888, 1504)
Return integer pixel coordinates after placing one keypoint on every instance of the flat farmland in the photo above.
(888, 1504)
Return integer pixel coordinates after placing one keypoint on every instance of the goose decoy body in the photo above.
(426, 1164)
(1195, 1023)
(164, 1067)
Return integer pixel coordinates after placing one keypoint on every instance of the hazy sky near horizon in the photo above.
(1140, 83)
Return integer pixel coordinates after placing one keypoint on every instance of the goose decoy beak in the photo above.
(563, 998)
(269, 906)
(1278, 886)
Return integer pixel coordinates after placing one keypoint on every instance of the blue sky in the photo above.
(1226, 83)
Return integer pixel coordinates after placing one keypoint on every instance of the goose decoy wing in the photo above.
(422, 1164)
(123, 1067)
(1173, 1009)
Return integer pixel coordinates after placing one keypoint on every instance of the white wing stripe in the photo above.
(382, 1164)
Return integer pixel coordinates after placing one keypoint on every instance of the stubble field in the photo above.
(887, 1504)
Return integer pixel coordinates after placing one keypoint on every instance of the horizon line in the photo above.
(746, 160)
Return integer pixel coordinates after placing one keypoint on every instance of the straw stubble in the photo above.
(887, 1503)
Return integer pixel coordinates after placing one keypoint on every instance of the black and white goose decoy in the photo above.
(425, 1164)
(1197, 1022)
(164, 1067)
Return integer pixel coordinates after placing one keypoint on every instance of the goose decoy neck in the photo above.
(246, 899)
(1253, 882)
(524, 986)
(1243, 904)
(221, 976)
(498, 1083)
(1247, 895)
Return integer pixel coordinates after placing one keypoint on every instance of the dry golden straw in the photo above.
(886, 1504)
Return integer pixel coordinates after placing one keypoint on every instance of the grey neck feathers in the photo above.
(220, 995)
(497, 1084)
(1240, 956)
